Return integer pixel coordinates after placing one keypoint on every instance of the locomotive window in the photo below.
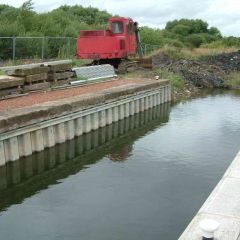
(130, 28)
(117, 27)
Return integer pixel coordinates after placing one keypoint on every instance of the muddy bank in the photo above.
(207, 72)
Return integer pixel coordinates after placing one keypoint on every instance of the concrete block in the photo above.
(95, 121)
(109, 117)
(2, 154)
(25, 145)
(166, 94)
(121, 112)
(60, 135)
(169, 93)
(158, 98)
(115, 114)
(11, 149)
(163, 95)
(146, 103)
(154, 100)
(37, 140)
(78, 126)
(137, 105)
(49, 137)
(69, 129)
(87, 124)
(150, 101)
(126, 109)
(142, 104)
(132, 108)
(102, 118)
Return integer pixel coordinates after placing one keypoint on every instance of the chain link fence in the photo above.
(44, 48)
(15, 48)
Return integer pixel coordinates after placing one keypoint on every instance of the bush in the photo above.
(195, 40)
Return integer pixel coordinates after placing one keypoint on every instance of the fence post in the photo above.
(145, 49)
(14, 48)
(42, 49)
(68, 47)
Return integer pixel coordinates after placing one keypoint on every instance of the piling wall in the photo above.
(32, 129)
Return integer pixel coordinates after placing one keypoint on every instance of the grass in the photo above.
(80, 62)
(187, 53)
(2, 72)
(176, 79)
(233, 79)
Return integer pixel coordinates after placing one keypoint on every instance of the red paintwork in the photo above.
(104, 44)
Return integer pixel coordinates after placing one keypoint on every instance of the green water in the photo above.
(141, 178)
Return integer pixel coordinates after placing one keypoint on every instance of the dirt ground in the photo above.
(42, 97)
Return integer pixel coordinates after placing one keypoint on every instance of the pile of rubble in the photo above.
(228, 62)
(209, 72)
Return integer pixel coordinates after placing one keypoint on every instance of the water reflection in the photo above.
(25, 177)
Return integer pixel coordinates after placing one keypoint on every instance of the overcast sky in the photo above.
(224, 14)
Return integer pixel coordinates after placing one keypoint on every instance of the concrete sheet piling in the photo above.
(2, 154)
(34, 128)
(11, 149)
(78, 126)
(49, 136)
(25, 145)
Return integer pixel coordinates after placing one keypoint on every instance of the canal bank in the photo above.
(30, 129)
(223, 206)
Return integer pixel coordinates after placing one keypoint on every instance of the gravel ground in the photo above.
(38, 98)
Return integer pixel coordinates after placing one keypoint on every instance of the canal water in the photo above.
(142, 178)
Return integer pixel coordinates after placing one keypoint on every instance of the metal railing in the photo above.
(13, 48)
(16, 48)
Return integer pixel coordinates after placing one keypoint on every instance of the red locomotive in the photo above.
(109, 46)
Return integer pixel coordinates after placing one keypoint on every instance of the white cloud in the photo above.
(223, 14)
